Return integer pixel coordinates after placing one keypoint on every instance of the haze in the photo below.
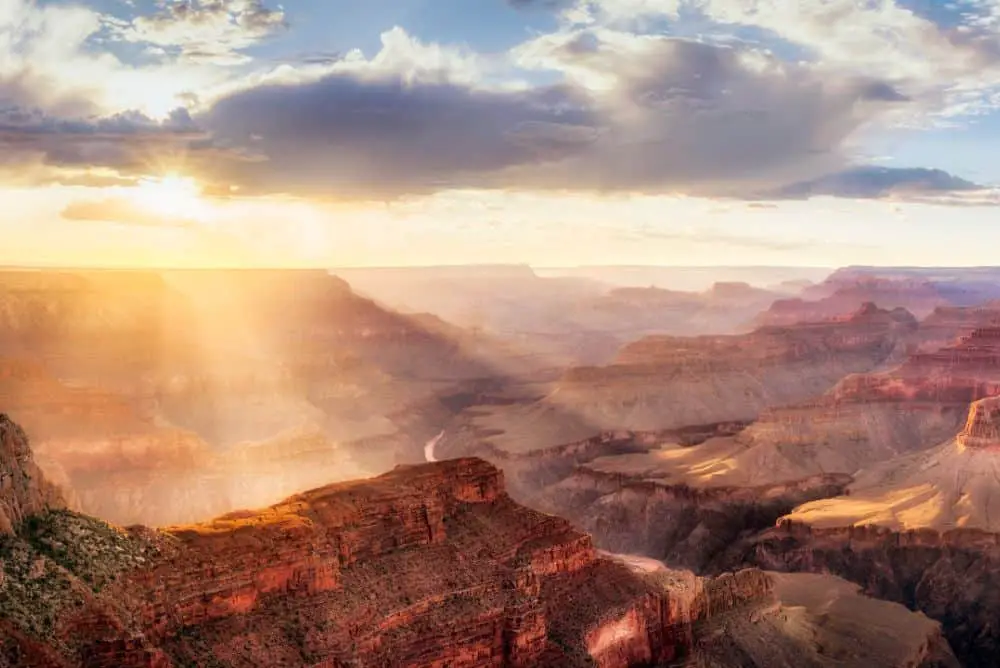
(500, 333)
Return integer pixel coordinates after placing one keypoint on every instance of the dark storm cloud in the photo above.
(871, 182)
(343, 135)
(681, 117)
(686, 117)
(124, 142)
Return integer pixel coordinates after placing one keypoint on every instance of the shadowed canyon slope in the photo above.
(923, 529)
(875, 415)
(685, 494)
(424, 566)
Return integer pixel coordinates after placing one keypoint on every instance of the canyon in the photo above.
(571, 320)
(739, 460)
(426, 565)
(664, 382)
(170, 396)
(921, 529)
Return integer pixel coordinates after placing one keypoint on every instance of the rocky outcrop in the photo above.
(982, 429)
(947, 323)
(663, 382)
(871, 417)
(951, 577)
(24, 491)
(838, 297)
(923, 530)
(676, 495)
(424, 566)
(685, 526)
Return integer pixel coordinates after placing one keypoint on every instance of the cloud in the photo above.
(216, 31)
(92, 149)
(872, 182)
(121, 210)
(342, 136)
(634, 113)
(944, 54)
(648, 114)
(56, 57)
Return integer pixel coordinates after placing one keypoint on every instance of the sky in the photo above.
(548, 132)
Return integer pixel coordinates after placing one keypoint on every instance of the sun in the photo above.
(172, 196)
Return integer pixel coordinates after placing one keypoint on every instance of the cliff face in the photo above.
(871, 417)
(669, 382)
(424, 566)
(676, 495)
(838, 297)
(951, 576)
(922, 529)
(24, 491)
(947, 323)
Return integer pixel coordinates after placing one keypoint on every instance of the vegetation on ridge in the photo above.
(57, 560)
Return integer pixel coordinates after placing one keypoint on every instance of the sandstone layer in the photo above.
(424, 566)
(669, 382)
(871, 417)
(638, 492)
(24, 491)
(922, 529)
(839, 297)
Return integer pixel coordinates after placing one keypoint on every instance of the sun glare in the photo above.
(172, 196)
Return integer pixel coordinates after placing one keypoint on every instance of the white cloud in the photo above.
(216, 31)
(954, 71)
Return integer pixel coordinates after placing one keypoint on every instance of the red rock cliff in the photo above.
(430, 565)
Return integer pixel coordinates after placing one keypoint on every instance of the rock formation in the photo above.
(669, 382)
(922, 529)
(871, 417)
(838, 297)
(24, 491)
(424, 566)
(946, 324)
(567, 321)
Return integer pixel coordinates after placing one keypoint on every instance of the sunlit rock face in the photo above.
(922, 529)
(24, 491)
(871, 417)
(982, 430)
(424, 566)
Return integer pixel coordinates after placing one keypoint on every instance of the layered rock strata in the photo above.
(422, 567)
(663, 382)
(923, 529)
(24, 491)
